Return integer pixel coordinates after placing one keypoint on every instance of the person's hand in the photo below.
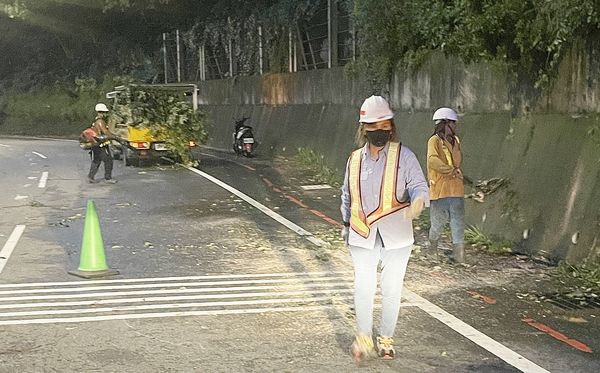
(344, 234)
(457, 172)
(414, 210)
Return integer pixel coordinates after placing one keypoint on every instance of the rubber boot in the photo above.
(432, 251)
(458, 253)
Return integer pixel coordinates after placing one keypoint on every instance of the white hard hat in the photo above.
(374, 109)
(101, 108)
(445, 113)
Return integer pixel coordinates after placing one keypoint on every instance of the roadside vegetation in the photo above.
(64, 109)
(314, 163)
(492, 245)
(586, 274)
(528, 38)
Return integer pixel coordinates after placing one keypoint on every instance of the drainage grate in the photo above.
(573, 301)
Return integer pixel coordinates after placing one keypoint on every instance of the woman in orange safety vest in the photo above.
(384, 189)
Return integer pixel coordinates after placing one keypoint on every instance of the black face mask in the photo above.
(378, 137)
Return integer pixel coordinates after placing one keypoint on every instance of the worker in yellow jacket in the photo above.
(446, 187)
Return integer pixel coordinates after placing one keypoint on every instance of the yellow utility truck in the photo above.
(140, 144)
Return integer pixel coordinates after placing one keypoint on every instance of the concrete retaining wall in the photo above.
(546, 146)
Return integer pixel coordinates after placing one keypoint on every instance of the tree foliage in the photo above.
(51, 39)
(168, 114)
(529, 36)
(44, 41)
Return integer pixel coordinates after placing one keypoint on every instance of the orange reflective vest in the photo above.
(388, 200)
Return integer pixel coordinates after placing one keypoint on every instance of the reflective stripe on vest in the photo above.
(388, 201)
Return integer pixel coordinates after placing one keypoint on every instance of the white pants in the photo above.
(393, 269)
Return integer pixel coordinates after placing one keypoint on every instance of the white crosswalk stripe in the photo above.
(81, 301)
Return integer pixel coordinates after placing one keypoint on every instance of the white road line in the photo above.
(299, 230)
(315, 187)
(40, 155)
(179, 278)
(210, 155)
(469, 332)
(4, 146)
(177, 298)
(43, 179)
(173, 291)
(10, 245)
(45, 138)
(20, 197)
(171, 306)
(165, 314)
(177, 284)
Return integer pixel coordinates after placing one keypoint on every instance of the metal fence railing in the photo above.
(322, 39)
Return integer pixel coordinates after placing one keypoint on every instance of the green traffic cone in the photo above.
(92, 263)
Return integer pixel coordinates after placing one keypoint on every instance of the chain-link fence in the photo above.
(321, 38)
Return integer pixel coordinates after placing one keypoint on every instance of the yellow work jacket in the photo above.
(442, 158)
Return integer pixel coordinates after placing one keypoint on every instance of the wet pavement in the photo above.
(210, 283)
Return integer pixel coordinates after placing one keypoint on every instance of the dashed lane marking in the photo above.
(43, 180)
(40, 155)
(10, 245)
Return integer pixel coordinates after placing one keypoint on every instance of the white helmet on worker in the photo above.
(444, 113)
(101, 108)
(375, 109)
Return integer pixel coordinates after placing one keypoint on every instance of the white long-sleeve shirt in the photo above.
(396, 231)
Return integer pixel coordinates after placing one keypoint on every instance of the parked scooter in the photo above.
(243, 138)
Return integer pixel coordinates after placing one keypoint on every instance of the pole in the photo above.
(295, 54)
(195, 97)
(230, 48)
(332, 31)
(201, 62)
(260, 51)
(204, 65)
(353, 42)
(290, 56)
(164, 48)
(178, 58)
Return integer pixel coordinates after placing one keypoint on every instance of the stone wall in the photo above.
(548, 148)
